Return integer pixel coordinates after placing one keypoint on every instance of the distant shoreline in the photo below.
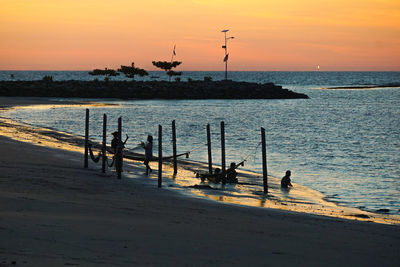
(147, 89)
(219, 71)
(362, 87)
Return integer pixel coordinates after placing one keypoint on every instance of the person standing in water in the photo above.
(148, 153)
(286, 182)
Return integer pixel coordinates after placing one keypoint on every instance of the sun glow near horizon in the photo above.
(289, 35)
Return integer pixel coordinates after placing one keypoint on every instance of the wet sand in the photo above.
(55, 212)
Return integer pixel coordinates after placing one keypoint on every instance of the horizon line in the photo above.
(224, 70)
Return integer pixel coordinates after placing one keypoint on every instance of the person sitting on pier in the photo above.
(148, 153)
(231, 173)
(285, 182)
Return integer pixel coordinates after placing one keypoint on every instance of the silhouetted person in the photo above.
(285, 182)
(215, 177)
(231, 173)
(115, 142)
(148, 153)
(117, 147)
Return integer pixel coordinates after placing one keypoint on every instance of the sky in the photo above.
(270, 35)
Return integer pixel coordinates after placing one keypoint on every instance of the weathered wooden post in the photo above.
(264, 161)
(119, 157)
(86, 156)
(174, 147)
(223, 163)
(120, 128)
(160, 161)
(104, 147)
(209, 149)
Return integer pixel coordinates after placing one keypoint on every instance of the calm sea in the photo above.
(344, 143)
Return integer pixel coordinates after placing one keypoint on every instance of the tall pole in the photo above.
(226, 61)
(120, 128)
(159, 156)
(223, 163)
(174, 147)
(86, 156)
(264, 161)
(104, 148)
(209, 149)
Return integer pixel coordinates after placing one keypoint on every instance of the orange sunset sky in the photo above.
(269, 34)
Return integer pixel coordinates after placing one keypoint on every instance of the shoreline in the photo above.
(54, 212)
(7, 102)
(300, 199)
(365, 87)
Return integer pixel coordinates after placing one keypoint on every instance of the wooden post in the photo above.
(104, 147)
(119, 156)
(160, 161)
(86, 156)
(174, 147)
(209, 149)
(264, 161)
(223, 163)
(120, 128)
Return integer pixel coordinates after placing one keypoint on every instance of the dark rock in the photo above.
(147, 90)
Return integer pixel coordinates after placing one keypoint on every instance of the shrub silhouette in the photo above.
(131, 71)
(106, 72)
(168, 66)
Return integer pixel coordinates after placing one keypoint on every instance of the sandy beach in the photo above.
(53, 212)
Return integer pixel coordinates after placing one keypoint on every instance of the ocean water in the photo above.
(343, 143)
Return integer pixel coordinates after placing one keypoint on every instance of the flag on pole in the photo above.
(226, 58)
(173, 54)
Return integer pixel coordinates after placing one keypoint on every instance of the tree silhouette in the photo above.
(168, 66)
(131, 71)
(106, 72)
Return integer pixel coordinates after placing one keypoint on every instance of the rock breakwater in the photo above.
(147, 90)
